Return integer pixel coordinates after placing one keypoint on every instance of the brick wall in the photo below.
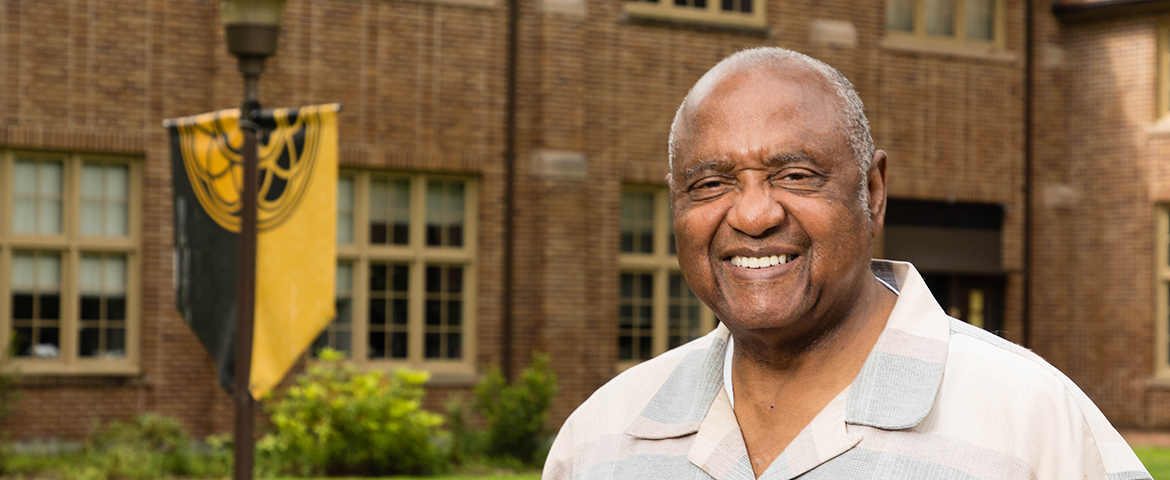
(423, 85)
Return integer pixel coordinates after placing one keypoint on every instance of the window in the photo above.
(405, 273)
(656, 309)
(69, 262)
(1162, 274)
(977, 23)
(735, 13)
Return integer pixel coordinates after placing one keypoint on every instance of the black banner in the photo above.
(205, 267)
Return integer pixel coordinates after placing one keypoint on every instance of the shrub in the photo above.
(336, 420)
(516, 413)
(149, 447)
(9, 394)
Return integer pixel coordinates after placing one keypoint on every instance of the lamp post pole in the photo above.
(251, 28)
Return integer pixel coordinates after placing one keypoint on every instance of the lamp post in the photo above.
(251, 27)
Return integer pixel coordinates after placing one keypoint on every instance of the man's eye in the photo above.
(707, 185)
(795, 176)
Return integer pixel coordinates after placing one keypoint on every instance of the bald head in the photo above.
(851, 120)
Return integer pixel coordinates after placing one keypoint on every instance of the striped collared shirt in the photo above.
(936, 399)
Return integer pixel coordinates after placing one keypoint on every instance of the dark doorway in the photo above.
(957, 249)
(975, 299)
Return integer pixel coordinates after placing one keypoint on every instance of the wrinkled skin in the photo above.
(763, 168)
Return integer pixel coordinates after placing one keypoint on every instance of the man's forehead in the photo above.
(757, 96)
(785, 77)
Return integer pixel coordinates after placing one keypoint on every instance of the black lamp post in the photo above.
(252, 27)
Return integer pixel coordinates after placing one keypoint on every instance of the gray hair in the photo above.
(854, 124)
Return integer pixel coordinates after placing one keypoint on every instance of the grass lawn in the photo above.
(519, 476)
(1157, 461)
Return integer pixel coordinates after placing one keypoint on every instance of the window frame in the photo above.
(1162, 291)
(361, 253)
(712, 15)
(918, 39)
(661, 264)
(71, 245)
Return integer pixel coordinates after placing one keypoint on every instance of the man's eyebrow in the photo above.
(790, 158)
(704, 166)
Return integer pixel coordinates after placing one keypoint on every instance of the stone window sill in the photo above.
(950, 48)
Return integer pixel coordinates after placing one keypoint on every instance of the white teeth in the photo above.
(759, 262)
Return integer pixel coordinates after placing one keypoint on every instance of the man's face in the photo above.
(771, 232)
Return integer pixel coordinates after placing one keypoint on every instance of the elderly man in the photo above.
(826, 364)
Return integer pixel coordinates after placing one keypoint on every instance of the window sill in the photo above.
(82, 380)
(637, 15)
(443, 374)
(951, 48)
(1158, 383)
(480, 4)
(1160, 129)
(22, 367)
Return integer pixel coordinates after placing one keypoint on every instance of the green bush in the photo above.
(516, 413)
(149, 447)
(9, 394)
(336, 421)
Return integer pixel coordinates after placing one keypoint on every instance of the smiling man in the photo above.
(826, 364)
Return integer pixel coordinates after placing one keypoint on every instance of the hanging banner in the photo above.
(296, 246)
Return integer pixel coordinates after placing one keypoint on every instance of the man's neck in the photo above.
(779, 388)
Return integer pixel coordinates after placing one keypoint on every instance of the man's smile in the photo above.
(761, 262)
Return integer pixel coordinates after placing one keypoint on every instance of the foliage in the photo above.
(1156, 460)
(516, 413)
(9, 394)
(149, 447)
(336, 420)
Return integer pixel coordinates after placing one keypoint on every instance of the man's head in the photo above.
(767, 157)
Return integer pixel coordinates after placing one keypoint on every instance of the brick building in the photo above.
(1021, 135)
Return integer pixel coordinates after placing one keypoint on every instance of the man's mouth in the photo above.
(761, 262)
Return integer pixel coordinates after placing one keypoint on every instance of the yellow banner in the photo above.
(296, 245)
(296, 255)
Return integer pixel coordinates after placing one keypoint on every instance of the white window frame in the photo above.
(713, 14)
(71, 245)
(661, 264)
(361, 253)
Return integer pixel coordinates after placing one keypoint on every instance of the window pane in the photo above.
(116, 217)
(102, 287)
(48, 272)
(635, 316)
(36, 304)
(117, 182)
(49, 216)
(389, 211)
(979, 18)
(900, 15)
(344, 284)
(345, 210)
(26, 177)
(91, 217)
(683, 318)
(91, 180)
(443, 312)
(338, 334)
(23, 271)
(940, 17)
(91, 274)
(24, 216)
(49, 178)
(637, 224)
(388, 310)
(445, 213)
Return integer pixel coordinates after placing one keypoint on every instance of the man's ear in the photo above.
(876, 186)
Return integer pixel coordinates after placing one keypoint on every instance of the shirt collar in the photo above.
(894, 390)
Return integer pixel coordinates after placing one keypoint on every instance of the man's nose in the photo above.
(755, 211)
